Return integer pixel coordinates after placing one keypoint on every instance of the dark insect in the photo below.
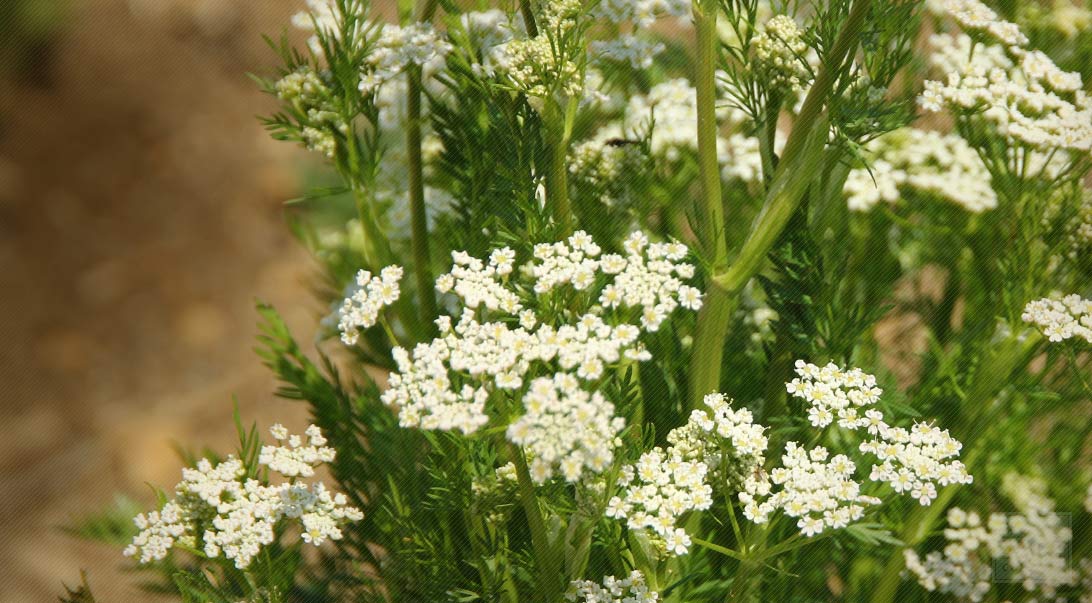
(621, 142)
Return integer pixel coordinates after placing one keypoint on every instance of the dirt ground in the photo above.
(140, 217)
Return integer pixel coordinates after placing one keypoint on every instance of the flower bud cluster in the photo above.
(606, 163)
(780, 51)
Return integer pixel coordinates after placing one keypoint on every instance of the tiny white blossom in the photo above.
(369, 295)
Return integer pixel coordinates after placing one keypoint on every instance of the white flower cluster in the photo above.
(975, 16)
(632, 589)
(325, 16)
(926, 162)
(297, 459)
(915, 460)
(1061, 319)
(361, 307)
(659, 489)
(958, 53)
(1033, 544)
(648, 276)
(398, 47)
(628, 48)
(834, 393)
(703, 436)
(426, 397)
(780, 52)
(565, 427)
(958, 570)
(741, 156)
(815, 488)
(240, 515)
(668, 110)
(478, 284)
(444, 383)
(640, 12)
(1035, 104)
(489, 28)
(822, 493)
(672, 107)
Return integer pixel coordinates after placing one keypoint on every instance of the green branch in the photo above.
(794, 173)
(547, 563)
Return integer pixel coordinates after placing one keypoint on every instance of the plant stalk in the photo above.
(795, 171)
(559, 124)
(422, 260)
(547, 563)
(713, 318)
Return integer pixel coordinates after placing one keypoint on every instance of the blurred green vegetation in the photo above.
(28, 30)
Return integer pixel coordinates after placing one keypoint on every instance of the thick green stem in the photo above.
(710, 204)
(422, 260)
(708, 353)
(547, 563)
(559, 124)
(713, 319)
(557, 186)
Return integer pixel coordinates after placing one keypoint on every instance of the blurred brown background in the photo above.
(140, 217)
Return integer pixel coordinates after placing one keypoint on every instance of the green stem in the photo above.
(768, 140)
(422, 260)
(528, 18)
(559, 122)
(708, 353)
(713, 319)
(710, 208)
(548, 565)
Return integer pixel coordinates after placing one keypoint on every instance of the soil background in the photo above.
(141, 215)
